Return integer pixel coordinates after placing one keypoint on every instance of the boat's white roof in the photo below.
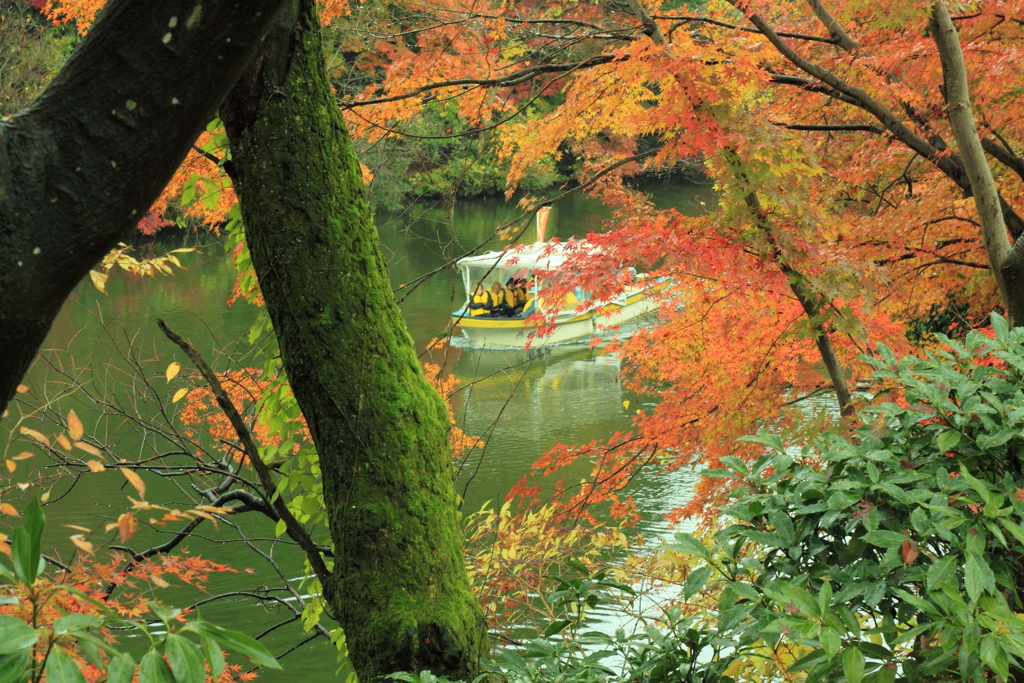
(541, 256)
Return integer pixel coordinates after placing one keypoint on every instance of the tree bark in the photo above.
(1006, 265)
(82, 164)
(399, 586)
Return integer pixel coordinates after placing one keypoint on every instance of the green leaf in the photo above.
(825, 599)
(685, 543)
(153, 669)
(942, 570)
(60, 668)
(783, 525)
(853, 665)
(75, 622)
(884, 539)
(995, 656)
(214, 656)
(555, 627)
(121, 669)
(13, 667)
(849, 619)
(978, 577)
(185, 659)
(831, 643)
(15, 635)
(236, 642)
(947, 440)
(695, 581)
(978, 485)
(26, 543)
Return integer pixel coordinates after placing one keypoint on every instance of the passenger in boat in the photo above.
(499, 305)
(509, 292)
(530, 302)
(521, 295)
(479, 303)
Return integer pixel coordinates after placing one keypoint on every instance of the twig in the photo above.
(294, 529)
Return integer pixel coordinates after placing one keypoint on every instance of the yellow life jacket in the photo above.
(480, 299)
(496, 299)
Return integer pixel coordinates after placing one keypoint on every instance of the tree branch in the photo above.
(83, 163)
(294, 529)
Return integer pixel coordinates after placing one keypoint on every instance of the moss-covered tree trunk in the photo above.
(399, 586)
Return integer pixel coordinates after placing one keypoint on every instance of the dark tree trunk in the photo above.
(399, 585)
(82, 165)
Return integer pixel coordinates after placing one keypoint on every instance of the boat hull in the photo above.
(570, 326)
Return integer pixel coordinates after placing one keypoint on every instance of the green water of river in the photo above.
(524, 406)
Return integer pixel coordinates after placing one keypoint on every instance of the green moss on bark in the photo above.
(399, 586)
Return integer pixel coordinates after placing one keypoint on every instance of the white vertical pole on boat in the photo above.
(542, 221)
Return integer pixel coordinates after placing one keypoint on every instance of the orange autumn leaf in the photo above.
(135, 480)
(95, 466)
(126, 526)
(39, 437)
(75, 428)
(88, 448)
(9, 509)
(64, 442)
(24, 455)
(910, 552)
(79, 540)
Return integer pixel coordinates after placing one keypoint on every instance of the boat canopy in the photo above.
(498, 266)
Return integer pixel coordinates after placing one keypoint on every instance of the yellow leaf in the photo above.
(24, 455)
(37, 436)
(64, 443)
(126, 526)
(4, 548)
(22, 389)
(88, 448)
(95, 466)
(79, 528)
(625, 404)
(45, 497)
(172, 370)
(9, 509)
(135, 480)
(75, 428)
(11, 465)
(215, 510)
(79, 540)
(158, 581)
(99, 280)
(178, 395)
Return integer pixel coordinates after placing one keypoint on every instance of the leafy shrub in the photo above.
(896, 553)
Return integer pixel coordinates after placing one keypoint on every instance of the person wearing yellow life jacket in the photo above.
(499, 306)
(521, 295)
(531, 302)
(480, 302)
(509, 291)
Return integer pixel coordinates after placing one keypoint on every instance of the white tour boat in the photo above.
(579, 319)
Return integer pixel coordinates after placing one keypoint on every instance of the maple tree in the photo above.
(845, 210)
(842, 211)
